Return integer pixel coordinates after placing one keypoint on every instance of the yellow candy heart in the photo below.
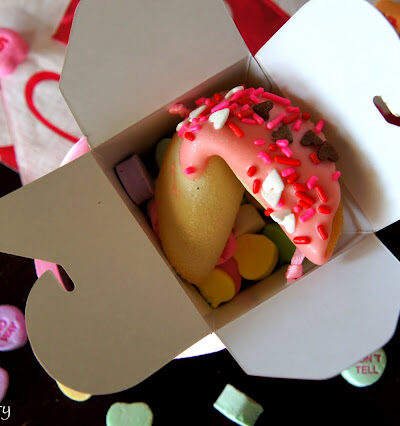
(217, 288)
(73, 394)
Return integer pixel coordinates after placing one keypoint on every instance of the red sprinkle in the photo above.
(306, 115)
(276, 98)
(303, 204)
(304, 197)
(189, 136)
(251, 171)
(244, 113)
(291, 117)
(272, 147)
(324, 209)
(321, 194)
(299, 187)
(285, 160)
(256, 186)
(322, 232)
(217, 97)
(292, 178)
(235, 129)
(314, 158)
(190, 170)
(268, 212)
(302, 240)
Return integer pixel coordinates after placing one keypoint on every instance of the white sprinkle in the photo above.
(218, 118)
(285, 218)
(179, 125)
(196, 112)
(233, 91)
(272, 188)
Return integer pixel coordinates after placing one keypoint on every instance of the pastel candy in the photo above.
(73, 394)
(4, 380)
(135, 179)
(231, 268)
(13, 51)
(78, 149)
(286, 248)
(218, 287)
(256, 256)
(135, 414)
(367, 371)
(12, 328)
(161, 148)
(248, 221)
(229, 249)
(238, 407)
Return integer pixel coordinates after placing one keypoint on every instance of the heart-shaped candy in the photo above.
(310, 138)
(135, 414)
(12, 328)
(327, 152)
(218, 118)
(3, 383)
(283, 133)
(263, 109)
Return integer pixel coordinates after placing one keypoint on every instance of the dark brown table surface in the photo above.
(183, 392)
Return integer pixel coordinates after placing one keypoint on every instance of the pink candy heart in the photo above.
(3, 383)
(12, 328)
(13, 51)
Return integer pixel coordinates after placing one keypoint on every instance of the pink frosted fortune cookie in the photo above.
(12, 328)
(13, 51)
(3, 383)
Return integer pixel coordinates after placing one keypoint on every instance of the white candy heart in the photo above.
(218, 118)
(285, 218)
(272, 188)
(233, 91)
(196, 112)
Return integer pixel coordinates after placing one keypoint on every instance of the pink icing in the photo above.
(240, 153)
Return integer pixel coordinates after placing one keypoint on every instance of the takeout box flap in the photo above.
(126, 59)
(333, 57)
(323, 323)
(127, 315)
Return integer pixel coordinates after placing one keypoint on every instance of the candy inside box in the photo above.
(129, 313)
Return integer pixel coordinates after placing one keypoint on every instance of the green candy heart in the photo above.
(161, 148)
(135, 414)
(367, 371)
(286, 248)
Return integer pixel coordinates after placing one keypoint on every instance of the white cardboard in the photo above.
(176, 46)
(323, 323)
(334, 57)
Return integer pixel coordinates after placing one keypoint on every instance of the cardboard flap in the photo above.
(115, 328)
(325, 322)
(125, 60)
(333, 57)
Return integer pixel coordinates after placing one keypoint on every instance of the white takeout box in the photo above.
(129, 313)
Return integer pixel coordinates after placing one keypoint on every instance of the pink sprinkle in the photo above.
(287, 172)
(276, 98)
(233, 106)
(179, 109)
(259, 91)
(287, 151)
(259, 119)
(276, 121)
(296, 209)
(254, 98)
(203, 118)
(292, 109)
(297, 125)
(189, 170)
(245, 107)
(265, 157)
(307, 215)
(182, 130)
(195, 120)
(336, 175)
(319, 126)
(200, 101)
(219, 106)
(195, 128)
(280, 203)
(282, 142)
(248, 121)
(259, 142)
(237, 95)
(312, 181)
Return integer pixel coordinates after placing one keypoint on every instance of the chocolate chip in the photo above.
(263, 109)
(327, 152)
(310, 138)
(283, 133)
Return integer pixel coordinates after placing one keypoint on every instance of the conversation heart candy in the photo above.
(231, 268)
(238, 407)
(73, 394)
(218, 287)
(135, 414)
(229, 249)
(12, 328)
(3, 383)
(367, 371)
(286, 248)
(256, 256)
(13, 51)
